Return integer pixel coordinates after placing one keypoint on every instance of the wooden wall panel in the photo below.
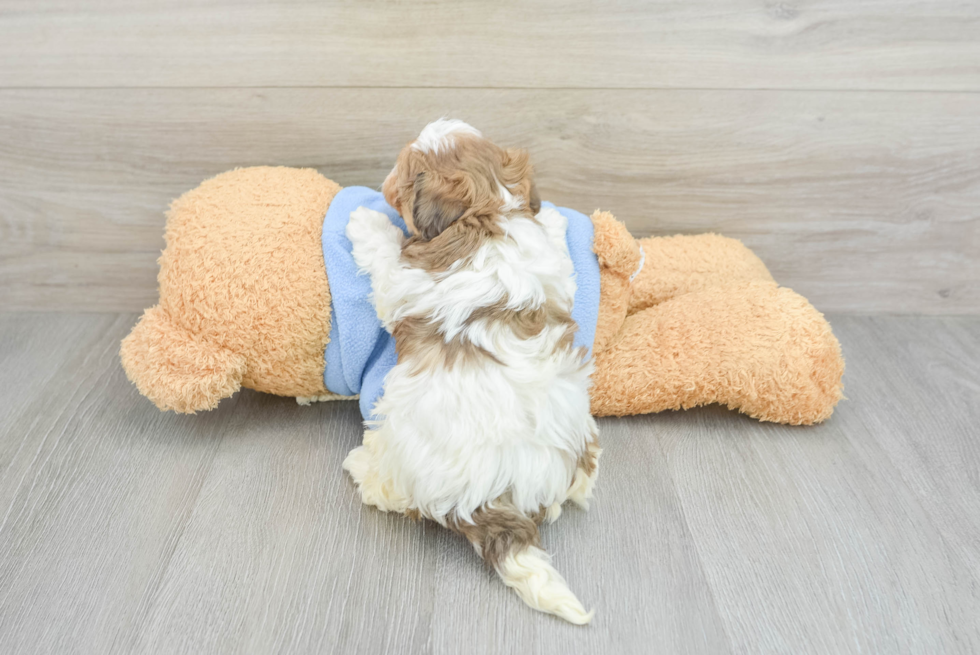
(864, 202)
(789, 44)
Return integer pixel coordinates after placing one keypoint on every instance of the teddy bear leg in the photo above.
(681, 264)
(176, 369)
(752, 346)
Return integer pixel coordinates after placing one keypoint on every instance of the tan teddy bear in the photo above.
(683, 321)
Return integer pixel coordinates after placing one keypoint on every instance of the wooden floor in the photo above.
(123, 529)
(839, 139)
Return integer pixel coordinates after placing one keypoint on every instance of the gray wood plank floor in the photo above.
(123, 529)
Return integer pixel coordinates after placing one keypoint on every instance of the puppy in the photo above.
(484, 422)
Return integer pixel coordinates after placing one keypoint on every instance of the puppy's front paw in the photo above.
(367, 225)
(554, 223)
(376, 240)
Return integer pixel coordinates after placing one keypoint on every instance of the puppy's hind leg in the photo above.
(375, 488)
(586, 472)
(583, 481)
(509, 541)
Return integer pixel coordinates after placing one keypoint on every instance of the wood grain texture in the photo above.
(847, 517)
(128, 530)
(863, 202)
(824, 44)
(909, 433)
(93, 496)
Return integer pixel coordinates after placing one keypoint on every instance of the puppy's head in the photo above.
(451, 172)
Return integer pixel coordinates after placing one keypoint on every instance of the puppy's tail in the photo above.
(528, 571)
(509, 541)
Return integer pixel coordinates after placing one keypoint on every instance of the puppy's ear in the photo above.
(518, 175)
(535, 200)
(433, 210)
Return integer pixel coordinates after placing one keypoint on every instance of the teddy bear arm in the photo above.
(618, 255)
(681, 264)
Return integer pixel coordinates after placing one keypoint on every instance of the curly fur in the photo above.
(485, 418)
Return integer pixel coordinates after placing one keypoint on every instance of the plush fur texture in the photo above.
(684, 264)
(485, 417)
(705, 323)
(244, 299)
(619, 259)
(774, 357)
(244, 302)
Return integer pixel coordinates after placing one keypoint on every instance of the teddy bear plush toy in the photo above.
(255, 292)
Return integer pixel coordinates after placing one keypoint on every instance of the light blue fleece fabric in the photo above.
(361, 352)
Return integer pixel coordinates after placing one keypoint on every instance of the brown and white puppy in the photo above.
(485, 423)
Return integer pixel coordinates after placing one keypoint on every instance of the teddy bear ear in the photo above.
(434, 209)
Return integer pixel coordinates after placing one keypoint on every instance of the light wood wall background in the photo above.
(840, 139)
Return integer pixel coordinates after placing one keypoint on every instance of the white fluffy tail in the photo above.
(529, 573)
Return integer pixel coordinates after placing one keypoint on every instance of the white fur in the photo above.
(530, 574)
(639, 267)
(453, 440)
(438, 135)
(511, 202)
(580, 491)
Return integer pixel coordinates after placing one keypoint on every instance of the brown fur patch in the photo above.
(499, 528)
(434, 210)
(589, 460)
(526, 323)
(458, 242)
(450, 200)
(419, 341)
